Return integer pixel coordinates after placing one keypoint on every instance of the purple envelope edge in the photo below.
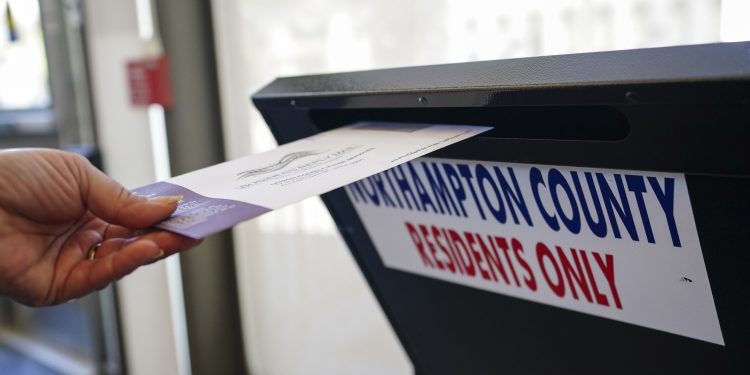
(192, 216)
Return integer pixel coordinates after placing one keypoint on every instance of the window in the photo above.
(24, 86)
(23, 63)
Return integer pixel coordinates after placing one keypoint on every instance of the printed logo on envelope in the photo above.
(282, 163)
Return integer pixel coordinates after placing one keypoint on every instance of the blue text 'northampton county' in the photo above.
(594, 200)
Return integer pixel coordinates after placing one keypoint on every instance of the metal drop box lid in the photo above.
(676, 111)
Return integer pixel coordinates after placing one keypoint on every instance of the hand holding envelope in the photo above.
(67, 230)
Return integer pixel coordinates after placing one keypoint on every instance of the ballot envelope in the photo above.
(601, 226)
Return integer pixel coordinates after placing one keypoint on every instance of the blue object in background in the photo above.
(12, 30)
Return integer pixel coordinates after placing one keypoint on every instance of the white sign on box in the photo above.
(616, 244)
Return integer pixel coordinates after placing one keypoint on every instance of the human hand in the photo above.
(54, 207)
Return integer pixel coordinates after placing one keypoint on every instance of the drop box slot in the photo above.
(590, 123)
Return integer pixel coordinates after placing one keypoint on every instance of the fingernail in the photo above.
(159, 255)
(167, 199)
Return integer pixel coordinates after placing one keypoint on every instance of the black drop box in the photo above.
(681, 110)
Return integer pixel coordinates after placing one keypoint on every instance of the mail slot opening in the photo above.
(591, 123)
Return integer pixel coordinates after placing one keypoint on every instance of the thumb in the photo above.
(113, 203)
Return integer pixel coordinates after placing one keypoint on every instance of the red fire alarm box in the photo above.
(149, 82)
